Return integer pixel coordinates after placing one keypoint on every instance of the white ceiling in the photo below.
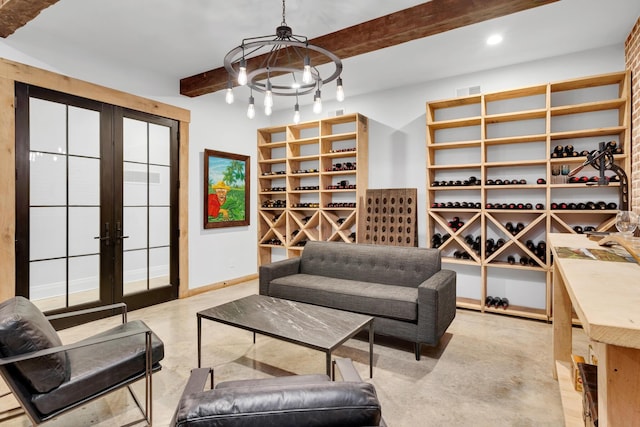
(180, 38)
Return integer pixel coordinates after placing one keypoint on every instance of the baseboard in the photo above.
(212, 287)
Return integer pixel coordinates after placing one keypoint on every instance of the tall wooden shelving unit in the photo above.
(311, 177)
(508, 136)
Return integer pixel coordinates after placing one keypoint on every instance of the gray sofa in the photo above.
(404, 288)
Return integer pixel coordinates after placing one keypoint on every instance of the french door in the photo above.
(96, 203)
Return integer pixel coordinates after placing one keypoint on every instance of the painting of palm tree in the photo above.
(226, 189)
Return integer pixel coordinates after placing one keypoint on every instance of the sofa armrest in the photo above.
(80, 344)
(195, 384)
(274, 270)
(120, 306)
(436, 306)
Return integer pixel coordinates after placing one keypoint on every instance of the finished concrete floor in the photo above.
(489, 370)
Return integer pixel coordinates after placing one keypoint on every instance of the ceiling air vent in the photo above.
(466, 91)
(339, 112)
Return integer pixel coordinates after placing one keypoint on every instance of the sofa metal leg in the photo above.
(416, 347)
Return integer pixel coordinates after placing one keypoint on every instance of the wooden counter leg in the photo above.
(562, 338)
(618, 386)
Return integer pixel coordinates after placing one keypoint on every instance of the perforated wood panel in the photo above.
(389, 217)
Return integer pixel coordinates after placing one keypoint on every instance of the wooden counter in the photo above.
(606, 297)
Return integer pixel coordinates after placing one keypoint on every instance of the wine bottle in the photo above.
(504, 302)
(509, 227)
(511, 260)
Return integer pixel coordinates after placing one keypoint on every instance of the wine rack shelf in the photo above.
(311, 177)
(504, 142)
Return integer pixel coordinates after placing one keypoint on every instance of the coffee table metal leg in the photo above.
(199, 339)
(329, 365)
(371, 350)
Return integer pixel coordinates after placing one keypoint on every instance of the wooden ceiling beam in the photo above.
(16, 13)
(423, 20)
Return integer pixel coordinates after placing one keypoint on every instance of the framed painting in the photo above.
(226, 189)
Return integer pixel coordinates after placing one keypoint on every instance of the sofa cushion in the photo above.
(390, 265)
(24, 329)
(374, 299)
(311, 405)
(97, 367)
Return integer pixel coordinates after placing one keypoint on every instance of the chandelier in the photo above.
(281, 66)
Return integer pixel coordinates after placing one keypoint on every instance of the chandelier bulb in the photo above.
(296, 114)
(306, 73)
(268, 96)
(229, 96)
(242, 74)
(339, 91)
(317, 103)
(251, 111)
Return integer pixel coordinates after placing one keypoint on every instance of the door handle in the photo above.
(119, 235)
(106, 238)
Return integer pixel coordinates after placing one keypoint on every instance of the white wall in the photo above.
(396, 137)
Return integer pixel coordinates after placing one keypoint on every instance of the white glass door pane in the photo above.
(135, 184)
(159, 145)
(47, 233)
(84, 226)
(159, 259)
(47, 126)
(134, 272)
(84, 132)
(47, 284)
(159, 226)
(48, 180)
(84, 181)
(135, 226)
(159, 187)
(135, 141)
(84, 279)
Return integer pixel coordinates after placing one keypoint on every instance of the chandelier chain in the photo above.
(284, 21)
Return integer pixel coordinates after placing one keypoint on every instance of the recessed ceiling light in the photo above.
(494, 39)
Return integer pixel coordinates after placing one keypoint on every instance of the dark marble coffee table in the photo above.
(312, 326)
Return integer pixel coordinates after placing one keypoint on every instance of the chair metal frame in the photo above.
(16, 388)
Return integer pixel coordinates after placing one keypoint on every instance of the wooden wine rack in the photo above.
(311, 177)
(509, 136)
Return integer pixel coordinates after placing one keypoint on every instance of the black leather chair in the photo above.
(292, 401)
(49, 379)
